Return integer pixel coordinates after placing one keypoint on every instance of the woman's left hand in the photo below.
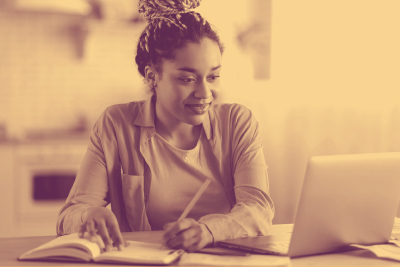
(186, 234)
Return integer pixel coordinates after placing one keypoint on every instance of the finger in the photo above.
(167, 226)
(187, 244)
(194, 246)
(184, 239)
(116, 236)
(82, 230)
(104, 236)
(168, 234)
(100, 242)
(175, 228)
(165, 237)
(115, 232)
(203, 238)
(197, 242)
(91, 230)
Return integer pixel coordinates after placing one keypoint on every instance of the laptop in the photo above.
(345, 199)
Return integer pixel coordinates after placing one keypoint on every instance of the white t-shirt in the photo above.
(176, 176)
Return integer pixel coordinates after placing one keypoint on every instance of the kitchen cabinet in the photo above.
(6, 189)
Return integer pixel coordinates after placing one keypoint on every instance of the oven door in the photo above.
(42, 184)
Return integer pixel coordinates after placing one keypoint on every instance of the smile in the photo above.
(198, 108)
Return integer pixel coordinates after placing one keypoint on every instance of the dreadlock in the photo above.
(171, 24)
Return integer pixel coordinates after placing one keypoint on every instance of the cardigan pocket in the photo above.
(133, 194)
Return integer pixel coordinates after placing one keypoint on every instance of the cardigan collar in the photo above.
(146, 114)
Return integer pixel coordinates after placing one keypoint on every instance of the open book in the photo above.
(72, 248)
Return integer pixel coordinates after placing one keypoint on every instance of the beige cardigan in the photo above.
(114, 170)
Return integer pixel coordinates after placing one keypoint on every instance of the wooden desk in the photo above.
(11, 248)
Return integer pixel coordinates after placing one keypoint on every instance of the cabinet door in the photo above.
(7, 208)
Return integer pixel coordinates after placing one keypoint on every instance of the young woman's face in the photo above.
(189, 84)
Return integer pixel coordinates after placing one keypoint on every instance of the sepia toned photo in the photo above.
(200, 132)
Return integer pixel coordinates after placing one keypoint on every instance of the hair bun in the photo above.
(153, 9)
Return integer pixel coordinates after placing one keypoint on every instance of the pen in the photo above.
(192, 203)
(194, 200)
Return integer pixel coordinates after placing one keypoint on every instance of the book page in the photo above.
(142, 253)
(59, 254)
(55, 248)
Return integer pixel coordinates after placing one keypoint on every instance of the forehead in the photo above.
(200, 56)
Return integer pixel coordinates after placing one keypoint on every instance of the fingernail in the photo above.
(120, 247)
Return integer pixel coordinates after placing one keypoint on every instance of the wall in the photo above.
(50, 78)
(334, 87)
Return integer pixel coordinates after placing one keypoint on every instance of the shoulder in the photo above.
(130, 109)
(235, 121)
(233, 112)
(120, 113)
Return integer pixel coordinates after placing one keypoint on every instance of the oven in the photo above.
(44, 174)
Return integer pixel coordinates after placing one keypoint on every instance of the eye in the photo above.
(187, 80)
(213, 78)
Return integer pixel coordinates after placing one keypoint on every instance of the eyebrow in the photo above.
(193, 70)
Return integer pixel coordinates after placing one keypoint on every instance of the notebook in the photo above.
(73, 248)
(345, 199)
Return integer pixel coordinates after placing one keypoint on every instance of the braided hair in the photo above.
(171, 24)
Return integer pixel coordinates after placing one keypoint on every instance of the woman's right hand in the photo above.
(102, 221)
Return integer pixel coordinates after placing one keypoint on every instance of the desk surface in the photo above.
(11, 248)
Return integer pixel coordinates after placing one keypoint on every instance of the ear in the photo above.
(150, 75)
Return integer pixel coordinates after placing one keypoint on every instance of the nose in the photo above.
(203, 90)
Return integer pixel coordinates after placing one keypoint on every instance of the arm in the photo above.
(253, 211)
(85, 209)
(90, 188)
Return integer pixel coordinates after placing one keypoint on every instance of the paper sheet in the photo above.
(251, 260)
(396, 229)
(396, 242)
(388, 251)
(396, 226)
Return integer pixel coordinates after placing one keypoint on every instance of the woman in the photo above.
(149, 158)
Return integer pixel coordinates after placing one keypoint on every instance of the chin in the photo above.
(195, 120)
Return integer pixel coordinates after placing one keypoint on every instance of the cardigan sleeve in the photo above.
(90, 187)
(254, 209)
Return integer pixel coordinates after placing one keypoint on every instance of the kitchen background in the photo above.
(322, 77)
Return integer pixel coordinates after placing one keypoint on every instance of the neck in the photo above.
(177, 130)
(178, 133)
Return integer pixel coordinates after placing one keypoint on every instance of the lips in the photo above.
(198, 108)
